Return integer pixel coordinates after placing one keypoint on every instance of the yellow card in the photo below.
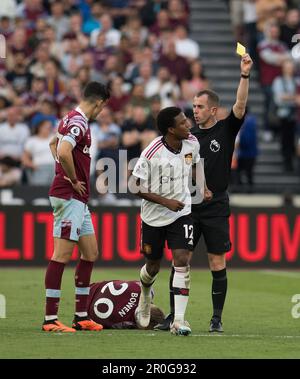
(240, 49)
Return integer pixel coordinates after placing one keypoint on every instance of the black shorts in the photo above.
(212, 220)
(179, 235)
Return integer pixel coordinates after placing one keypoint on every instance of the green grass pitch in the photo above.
(257, 319)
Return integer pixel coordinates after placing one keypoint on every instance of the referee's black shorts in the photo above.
(211, 219)
(179, 235)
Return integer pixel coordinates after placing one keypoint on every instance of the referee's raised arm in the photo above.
(243, 88)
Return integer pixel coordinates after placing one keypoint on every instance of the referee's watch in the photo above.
(245, 76)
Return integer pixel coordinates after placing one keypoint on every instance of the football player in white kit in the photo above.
(162, 177)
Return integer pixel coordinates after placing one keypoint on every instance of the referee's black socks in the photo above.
(218, 293)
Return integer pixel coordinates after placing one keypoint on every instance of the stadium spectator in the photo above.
(18, 41)
(19, 77)
(247, 151)
(178, 66)
(269, 10)
(151, 83)
(178, 13)
(162, 23)
(8, 9)
(134, 26)
(54, 84)
(47, 110)
(105, 137)
(169, 91)
(195, 82)
(6, 26)
(290, 27)
(58, 20)
(272, 53)
(10, 172)
(185, 46)
(13, 135)
(92, 22)
(72, 59)
(41, 56)
(69, 195)
(37, 157)
(137, 133)
(112, 35)
(284, 93)
(75, 30)
(100, 51)
(30, 99)
(138, 98)
(119, 98)
(55, 46)
(129, 293)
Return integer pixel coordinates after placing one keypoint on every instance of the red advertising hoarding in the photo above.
(261, 237)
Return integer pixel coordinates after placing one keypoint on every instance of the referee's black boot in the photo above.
(165, 325)
(215, 325)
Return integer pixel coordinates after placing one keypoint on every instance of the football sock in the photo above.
(219, 289)
(82, 286)
(146, 280)
(53, 278)
(181, 289)
(171, 291)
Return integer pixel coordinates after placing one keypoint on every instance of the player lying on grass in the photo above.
(113, 304)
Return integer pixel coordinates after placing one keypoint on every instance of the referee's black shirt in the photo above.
(216, 147)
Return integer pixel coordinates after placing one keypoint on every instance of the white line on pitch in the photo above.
(286, 274)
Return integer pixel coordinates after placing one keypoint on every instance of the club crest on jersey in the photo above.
(214, 146)
(188, 158)
(147, 248)
(75, 131)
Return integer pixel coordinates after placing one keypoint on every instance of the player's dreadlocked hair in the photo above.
(165, 119)
(95, 91)
(157, 316)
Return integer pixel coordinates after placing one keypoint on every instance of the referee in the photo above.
(211, 218)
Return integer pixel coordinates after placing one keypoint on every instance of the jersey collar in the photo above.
(170, 148)
(77, 109)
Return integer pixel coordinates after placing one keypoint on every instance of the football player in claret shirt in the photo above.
(69, 195)
(162, 179)
(113, 304)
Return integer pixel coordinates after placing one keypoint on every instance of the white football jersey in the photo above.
(166, 173)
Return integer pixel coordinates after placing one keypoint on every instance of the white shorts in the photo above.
(72, 219)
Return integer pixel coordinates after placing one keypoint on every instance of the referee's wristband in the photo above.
(245, 76)
(74, 181)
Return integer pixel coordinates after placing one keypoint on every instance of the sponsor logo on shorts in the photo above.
(66, 223)
(147, 249)
(188, 158)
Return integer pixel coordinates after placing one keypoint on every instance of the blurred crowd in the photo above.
(143, 50)
(270, 29)
(140, 48)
